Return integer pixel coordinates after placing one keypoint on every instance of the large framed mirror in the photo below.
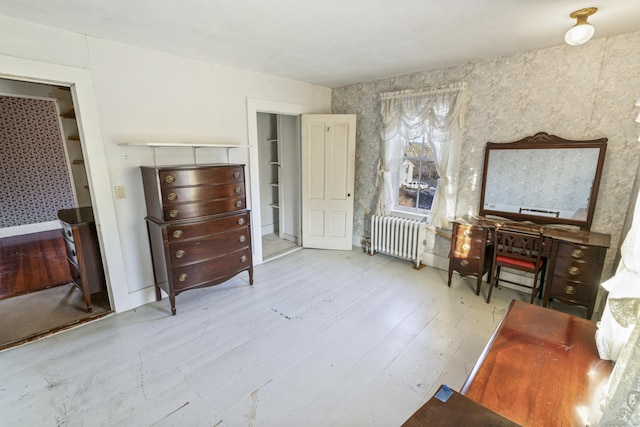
(543, 179)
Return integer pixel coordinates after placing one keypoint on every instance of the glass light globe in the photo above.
(579, 34)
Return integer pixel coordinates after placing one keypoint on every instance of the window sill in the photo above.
(410, 215)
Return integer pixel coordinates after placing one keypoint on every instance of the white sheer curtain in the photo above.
(437, 114)
(618, 336)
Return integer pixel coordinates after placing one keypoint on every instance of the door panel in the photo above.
(328, 163)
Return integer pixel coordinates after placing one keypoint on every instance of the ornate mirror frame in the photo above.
(543, 179)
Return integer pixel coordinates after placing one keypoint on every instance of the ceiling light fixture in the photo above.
(582, 31)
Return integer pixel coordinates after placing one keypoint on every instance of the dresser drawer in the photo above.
(209, 247)
(468, 242)
(588, 254)
(171, 196)
(465, 248)
(71, 250)
(177, 233)
(194, 210)
(466, 266)
(468, 232)
(75, 272)
(170, 178)
(67, 231)
(198, 274)
(576, 270)
(573, 292)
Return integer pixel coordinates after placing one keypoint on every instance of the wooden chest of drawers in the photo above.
(575, 272)
(470, 253)
(83, 251)
(199, 226)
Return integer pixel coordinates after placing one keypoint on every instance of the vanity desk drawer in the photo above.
(574, 274)
(470, 253)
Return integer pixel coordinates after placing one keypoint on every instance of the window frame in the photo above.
(405, 211)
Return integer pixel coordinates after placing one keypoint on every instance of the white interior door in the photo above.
(328, 163)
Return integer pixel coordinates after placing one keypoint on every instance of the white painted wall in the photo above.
(128, 94)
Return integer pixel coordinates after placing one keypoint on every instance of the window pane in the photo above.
(418, 177)
(413, 149)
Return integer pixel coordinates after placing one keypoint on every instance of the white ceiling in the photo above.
(329, 42)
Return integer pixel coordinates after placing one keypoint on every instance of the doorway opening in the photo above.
(278, 142)
(42, 152)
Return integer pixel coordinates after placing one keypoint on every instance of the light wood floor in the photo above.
(322, 338)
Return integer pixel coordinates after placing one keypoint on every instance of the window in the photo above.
(417, 177)
(415, 122)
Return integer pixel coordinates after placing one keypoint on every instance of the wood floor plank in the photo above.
(31, 262)
(321, 338)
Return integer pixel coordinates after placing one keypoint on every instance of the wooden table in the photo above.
(540, 368)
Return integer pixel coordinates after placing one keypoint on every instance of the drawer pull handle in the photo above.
(170, 179)
(238, 203)
(173, 213)
(177, 234)
(242, 238)
(236, 174)
(237, 190)
(573, 271)
(241, 221)
(577, 253)
(467, 233)
(172, 196)
(569, 290)
(73, 252)
(243, 258)
(180, 253)
(464, 263)
(69, 233)
(466, 247)
(182, 277)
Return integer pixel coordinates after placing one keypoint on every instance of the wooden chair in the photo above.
(519, 250)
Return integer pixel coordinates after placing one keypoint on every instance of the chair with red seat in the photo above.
(519, 250)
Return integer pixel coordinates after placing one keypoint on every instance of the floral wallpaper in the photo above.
(574, 92)
(34, 175)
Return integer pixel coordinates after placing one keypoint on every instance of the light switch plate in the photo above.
(120, 192)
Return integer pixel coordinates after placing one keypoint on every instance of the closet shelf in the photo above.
(274, 184)
(69, 114)
(73, 137)
(275, 163)
(274, 205)
(78, 162)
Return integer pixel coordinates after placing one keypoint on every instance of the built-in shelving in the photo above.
(73, 137)
(78, 162)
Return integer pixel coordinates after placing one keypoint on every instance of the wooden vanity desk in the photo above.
(540, 368)
(575, 258)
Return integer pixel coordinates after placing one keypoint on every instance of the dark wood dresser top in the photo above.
(76, 216)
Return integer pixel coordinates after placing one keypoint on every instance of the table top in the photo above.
(541, 367)
(582, 237)
(76, 216)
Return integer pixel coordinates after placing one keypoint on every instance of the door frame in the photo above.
(83, 94)
(255, 106)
